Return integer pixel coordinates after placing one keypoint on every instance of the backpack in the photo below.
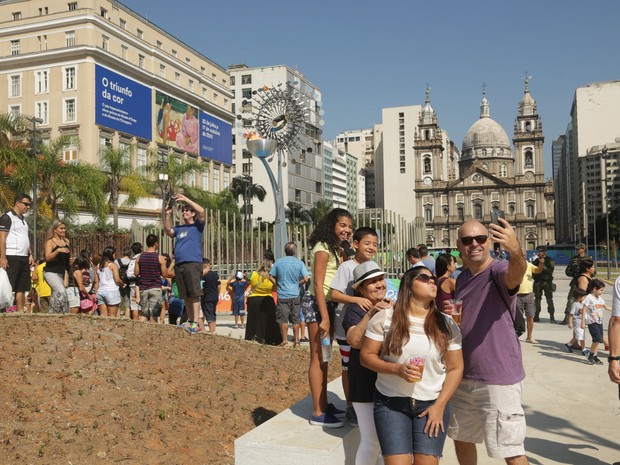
(572, 269)
(122, 271)
(131, 269)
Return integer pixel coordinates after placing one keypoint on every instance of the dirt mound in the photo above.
(96, 390)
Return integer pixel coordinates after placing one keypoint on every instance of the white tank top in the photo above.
(106, 279)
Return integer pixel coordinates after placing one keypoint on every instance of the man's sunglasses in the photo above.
(468, 240)
(26, 204)
(427, 278)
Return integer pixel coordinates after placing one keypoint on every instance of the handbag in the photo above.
(6, 292)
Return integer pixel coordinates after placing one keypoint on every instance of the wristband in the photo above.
(612, 359)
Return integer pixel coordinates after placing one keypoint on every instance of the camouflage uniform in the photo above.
(543, 283)
(572, 271)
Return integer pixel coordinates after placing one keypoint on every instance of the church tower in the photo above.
(528, 139)
(428, 146)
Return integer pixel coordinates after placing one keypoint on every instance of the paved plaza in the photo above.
(572, 409)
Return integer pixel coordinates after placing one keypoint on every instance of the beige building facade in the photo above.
(100, 73)
(487, 174)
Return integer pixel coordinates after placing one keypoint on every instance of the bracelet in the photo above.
(613, 359)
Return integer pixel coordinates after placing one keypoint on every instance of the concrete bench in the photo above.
(289, 438)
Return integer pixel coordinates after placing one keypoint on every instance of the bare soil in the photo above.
(80, 390)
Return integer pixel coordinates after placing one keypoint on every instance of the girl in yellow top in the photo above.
(261, 322)
(318, 310)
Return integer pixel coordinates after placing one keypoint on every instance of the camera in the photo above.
(495, 215)
(171, 202)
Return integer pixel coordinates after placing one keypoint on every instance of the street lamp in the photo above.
(33, 141)
(604, 157)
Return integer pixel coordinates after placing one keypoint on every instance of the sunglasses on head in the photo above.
(468, 240)
(427, 278)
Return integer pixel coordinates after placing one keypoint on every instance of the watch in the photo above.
(611, 359)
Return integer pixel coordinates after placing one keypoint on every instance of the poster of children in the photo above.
(176, 123)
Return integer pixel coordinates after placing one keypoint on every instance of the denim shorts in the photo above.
(401, 431)
(109, 297)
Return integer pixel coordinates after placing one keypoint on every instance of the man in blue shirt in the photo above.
(188, 258)
(287, 274)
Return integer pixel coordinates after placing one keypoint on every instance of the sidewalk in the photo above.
(572, 409)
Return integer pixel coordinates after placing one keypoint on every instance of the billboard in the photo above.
(122, 103)
(185, 127)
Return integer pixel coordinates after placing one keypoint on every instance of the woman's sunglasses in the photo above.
(468, 240)
(427, 278)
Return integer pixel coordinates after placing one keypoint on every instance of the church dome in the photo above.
(485, 137)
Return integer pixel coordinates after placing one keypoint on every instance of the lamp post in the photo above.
(262, 149)
(163, 180)
(33, 141)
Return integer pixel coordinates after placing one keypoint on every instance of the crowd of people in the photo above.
(415, 370)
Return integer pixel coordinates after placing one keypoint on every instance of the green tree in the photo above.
(242, 186)
(296, 214)
(320, 209)
(66, 185)
(13, 156)
(122, 178)
(177, 170)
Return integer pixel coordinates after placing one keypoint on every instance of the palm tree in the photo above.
(177, 170)
(13, 156)
(121, 177)
(320, 209)
(242, 186)
(70, 185)
(296, 214)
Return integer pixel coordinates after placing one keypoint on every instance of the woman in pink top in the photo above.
(188, 138)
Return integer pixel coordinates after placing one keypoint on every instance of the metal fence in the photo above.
(230, 247)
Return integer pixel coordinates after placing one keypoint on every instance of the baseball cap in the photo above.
(238, 275)
(364, 271)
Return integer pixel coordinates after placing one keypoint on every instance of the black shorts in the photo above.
(596, 331)
(18, 272)
(188, 276)
(208, 309)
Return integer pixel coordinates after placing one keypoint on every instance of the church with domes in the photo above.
(453, 186)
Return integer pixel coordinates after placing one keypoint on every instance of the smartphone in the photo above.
(495, 214)
(171, 203)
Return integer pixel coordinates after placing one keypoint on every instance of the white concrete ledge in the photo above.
(290, 438)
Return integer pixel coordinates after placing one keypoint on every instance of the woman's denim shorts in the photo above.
(399, 429)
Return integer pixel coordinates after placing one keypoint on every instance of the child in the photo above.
(325, 240)
(365, 243)
(575, 321)
(593, 306)
(236, 285)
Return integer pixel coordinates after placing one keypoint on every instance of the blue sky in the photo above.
(365, 56)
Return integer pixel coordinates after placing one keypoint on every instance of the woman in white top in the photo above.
(109, 282)
(411, 401)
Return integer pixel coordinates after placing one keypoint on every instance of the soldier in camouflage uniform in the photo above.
(572, 271)
(543, 283)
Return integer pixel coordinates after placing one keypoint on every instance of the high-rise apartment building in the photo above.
(100, 73)
(302, 171)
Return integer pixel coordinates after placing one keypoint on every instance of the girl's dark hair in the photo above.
(107, 256)
(435, 326)
(595, 284)
(441, 264)
(324, 230)
(168, 259)
(81, 262)
(585, 264)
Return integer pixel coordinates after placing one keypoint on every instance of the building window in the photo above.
(216, 180)
(140, 34)
(428, 214)
(529, 159)
(478, 211)
(17, 15)
(124, 50)
(460, 214)
(205, 180)
(72, 6)
(511, 209)
(103, 12)
(529, 209)
(297, 195)
(41, 82)
(162, 70)
(40, 111)
(503, 170)
(247, 123)
(177, 77)
(15, 87)
(141, 61)
(158, 44)
(202, 70)
(232, 80)
(191, 179)
(15, 47)
(174, 53)
(317, 187)
(190, 85)
(226, 179)
(70, 39)
(105, 40)
(70, 151)
(70, 113)
(15, 110)
(246, 93)
(445, 211)
(246, 79)
(69, 79)
(141, 158)
(123, 24)
(188, 60)
(427, 165)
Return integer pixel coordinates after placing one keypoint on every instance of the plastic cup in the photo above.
(419, 362)
(456, 307)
